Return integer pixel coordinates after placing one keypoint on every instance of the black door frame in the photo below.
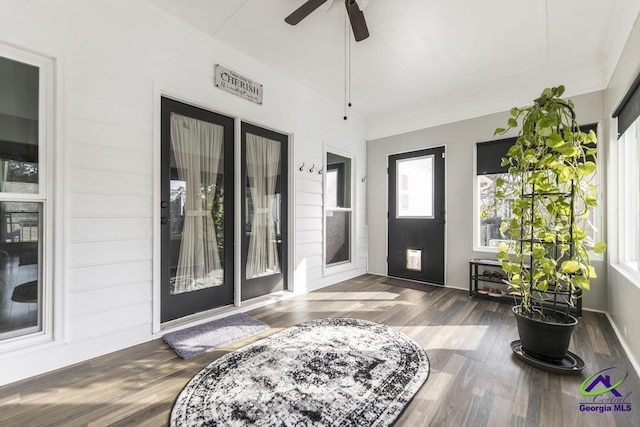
(268, 284)
(182, 305)
(439, 215)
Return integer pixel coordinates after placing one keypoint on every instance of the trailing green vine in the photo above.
(551, 170)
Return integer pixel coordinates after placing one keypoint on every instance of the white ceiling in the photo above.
(448, 59)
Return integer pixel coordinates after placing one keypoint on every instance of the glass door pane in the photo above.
(196, 205)
(197, 210)
(263, 206)
(415, 187)
(264, 211)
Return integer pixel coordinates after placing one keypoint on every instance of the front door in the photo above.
(196, 210)
(417, 216)
(264, 211)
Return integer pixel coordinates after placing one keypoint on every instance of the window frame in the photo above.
(430, 158)
(626, 116)
(339, 267)
(476, 202)
(623, 163)
(598, 220)
(47, 103)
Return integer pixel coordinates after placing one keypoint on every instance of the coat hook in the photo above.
(320, 171)
(301, 167)
(364, 178)
(312, 166)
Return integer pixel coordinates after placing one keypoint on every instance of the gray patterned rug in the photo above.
(190, 342)
(326, 372)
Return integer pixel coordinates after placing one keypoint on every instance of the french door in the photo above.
(416, 225)
(196, 210)
(264, 211)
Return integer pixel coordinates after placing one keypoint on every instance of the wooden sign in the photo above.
(238, 84)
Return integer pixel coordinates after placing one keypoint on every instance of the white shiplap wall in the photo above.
(113, 59)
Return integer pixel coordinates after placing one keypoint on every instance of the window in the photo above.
(629, 187)
(24, 97)
(415, 187)
(628, 165)
(338, 210)
(488, 171)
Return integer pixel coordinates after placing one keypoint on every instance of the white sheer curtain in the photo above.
(197, 148)
(263, 161)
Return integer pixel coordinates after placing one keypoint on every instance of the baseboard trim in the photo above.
(625, 347)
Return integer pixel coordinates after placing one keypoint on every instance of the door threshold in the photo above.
(420, 282)
(220, 312)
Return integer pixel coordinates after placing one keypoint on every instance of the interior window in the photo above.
(629, 201)
(22, 199)
(490, 212)
(338, 210)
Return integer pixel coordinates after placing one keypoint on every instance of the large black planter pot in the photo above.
(545, 340)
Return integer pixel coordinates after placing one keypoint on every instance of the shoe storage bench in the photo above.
(487, 273)
(486, 280)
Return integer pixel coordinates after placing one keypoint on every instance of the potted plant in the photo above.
(550, 186)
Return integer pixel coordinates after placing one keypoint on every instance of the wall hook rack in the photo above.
(320, 171)
(312, 167)
(364, 178)
(301, 167)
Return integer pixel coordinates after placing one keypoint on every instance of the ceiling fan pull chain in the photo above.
(346, 61)
(349, 46)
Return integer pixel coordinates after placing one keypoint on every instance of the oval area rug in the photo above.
(326, 372)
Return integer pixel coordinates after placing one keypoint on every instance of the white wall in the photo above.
(623, 289)
(459, 138)
(113, 60)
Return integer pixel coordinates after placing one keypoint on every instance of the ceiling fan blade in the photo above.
(356, 17)
(303, 11)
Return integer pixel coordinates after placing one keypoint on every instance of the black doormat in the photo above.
(411, 285)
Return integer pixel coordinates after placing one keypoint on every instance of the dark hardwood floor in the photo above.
(474, 381)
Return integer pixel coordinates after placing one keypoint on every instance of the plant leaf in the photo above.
(586, 168)
(599, 247)
(554, 141)
(580, 282)
(570, 267)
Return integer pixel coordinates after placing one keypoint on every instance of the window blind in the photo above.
(629, 109)
(489, 154)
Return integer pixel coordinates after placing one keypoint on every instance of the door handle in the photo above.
(165, 220)
(441, 217)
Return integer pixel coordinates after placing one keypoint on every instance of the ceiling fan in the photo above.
(356, 17)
